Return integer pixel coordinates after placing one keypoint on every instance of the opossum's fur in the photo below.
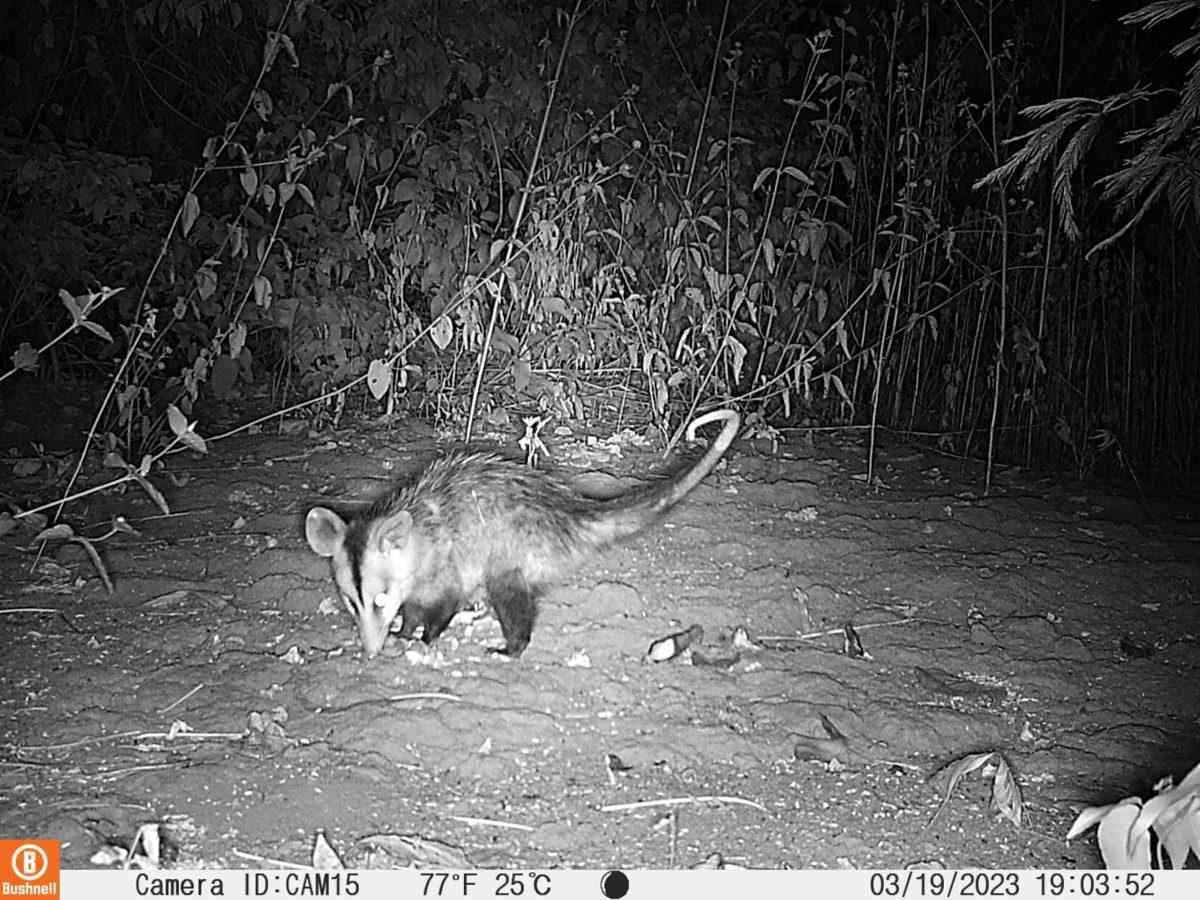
(475, 526)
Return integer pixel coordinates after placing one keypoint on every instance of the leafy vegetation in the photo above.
(1124, 829)
(619, 210)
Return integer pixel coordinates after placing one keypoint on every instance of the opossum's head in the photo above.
(373, 561)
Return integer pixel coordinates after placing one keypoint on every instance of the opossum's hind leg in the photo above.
(432, 619)
(515, 604)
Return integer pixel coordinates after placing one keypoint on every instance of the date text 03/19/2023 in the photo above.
(982, 883)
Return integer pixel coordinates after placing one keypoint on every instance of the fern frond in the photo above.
(1061, 105)
(1064, 172)
(1158, 12)
(1149, 202)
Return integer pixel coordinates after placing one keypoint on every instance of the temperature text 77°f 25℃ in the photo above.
(467, 884)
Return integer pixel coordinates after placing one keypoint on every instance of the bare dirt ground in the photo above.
(1057, 624)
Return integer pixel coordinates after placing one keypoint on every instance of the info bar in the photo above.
(616, 883)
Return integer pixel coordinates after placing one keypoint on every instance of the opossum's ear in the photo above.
(325, 531)
(394, 531)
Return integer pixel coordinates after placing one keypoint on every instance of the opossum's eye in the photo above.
(381, 600)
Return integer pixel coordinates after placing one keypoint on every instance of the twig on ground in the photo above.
(29, 609)
(474, 820)
(82, 742)
(813, 635)
(190, 735)
(171, 706)
(268, 861)
(677, 801)
(130, 770)
(425, 695)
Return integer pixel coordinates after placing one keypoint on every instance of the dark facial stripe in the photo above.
(355, 546)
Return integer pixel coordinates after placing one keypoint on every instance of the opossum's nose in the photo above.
(372, 642)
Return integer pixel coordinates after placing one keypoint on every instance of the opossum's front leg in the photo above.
(431, 618)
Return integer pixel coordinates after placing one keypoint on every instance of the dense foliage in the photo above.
(622, 206)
